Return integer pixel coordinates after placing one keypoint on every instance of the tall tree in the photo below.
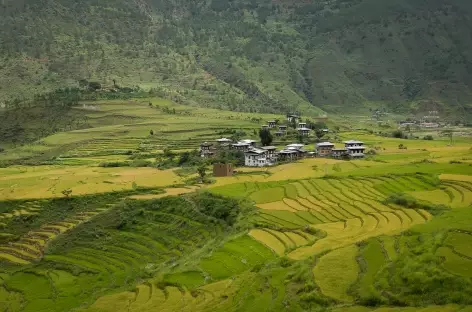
(266, 137)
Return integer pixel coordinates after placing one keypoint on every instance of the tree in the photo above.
(202, 172)
(151, 132)
(94, 85)
(266, 137)
(319, 133)
(67, 192)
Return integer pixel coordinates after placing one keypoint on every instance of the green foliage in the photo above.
(409, 201)
(265, 136)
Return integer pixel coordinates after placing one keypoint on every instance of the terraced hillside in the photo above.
(345, 210)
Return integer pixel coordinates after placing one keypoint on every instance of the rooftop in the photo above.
(206, 144)
(304, 129)
(240, 144)
(268, 148)
(224, 140)
(296, 145)
(324, 144)
(353, 142)
(355, 147)
(247, 141)
(256, 151)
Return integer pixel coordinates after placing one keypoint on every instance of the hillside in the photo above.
(265, 56)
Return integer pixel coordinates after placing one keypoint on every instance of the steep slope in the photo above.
(247, 55)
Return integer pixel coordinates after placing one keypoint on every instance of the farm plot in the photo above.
(30, 247)
(336, 272)
(346, 210)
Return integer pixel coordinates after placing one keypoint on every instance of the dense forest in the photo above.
(247, 55)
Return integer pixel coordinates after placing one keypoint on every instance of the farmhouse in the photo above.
(355, 149)
(250, 142)
(287, 155)
(339, 152)
(279, 133)
(207, 149)
(271, 123)
(324, 149)
(302, 125)
(222, 170)
(256, 157)
(292, 118)
(240, 146)
(304, 131)
(282, 128)
(297, 148)
(224, 141)
(270, 151)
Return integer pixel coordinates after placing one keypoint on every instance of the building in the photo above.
(339, 152)
(207, 149)
(256, 157)
(287, 155)
(240, 146)
(279, 133)
(224, 141)
(355, 149)
(297, 148)
(302, 125)
(250, 142)
(271, 152)
(353, 143)
(324, 149)
(271, 123)
(292, 118)
(304, 131)
(223, 170)
(282, 128)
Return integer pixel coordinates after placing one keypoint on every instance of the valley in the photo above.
(116, 217)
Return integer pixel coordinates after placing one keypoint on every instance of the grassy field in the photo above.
(391, 232)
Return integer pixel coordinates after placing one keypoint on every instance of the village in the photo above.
(268, 155)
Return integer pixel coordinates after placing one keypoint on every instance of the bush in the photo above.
(114, 164)
(399, 134)
(428, 137)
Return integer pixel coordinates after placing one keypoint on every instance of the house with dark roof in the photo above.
(256, 157)
(324, 149)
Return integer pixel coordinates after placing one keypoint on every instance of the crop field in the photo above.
(391, 232)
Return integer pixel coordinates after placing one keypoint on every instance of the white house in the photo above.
(256, 157)
(355, 149)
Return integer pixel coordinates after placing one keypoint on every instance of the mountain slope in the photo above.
(247, 55)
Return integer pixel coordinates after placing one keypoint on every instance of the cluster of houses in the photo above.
(268, 155)
(302, 128)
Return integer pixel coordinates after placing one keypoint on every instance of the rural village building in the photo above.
(279, 133)
(224, 141)
(338, 152)
(292, 118)
(282, 128)
(355, 149)
(271, 124)
(207, 149)
(256, 157)
(270, 152)
(304, 131)
(250, 142)
(324, 149)
(240, 146)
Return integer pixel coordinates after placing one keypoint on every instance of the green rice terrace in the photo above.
(113, 218)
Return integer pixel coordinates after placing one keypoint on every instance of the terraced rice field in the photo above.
(346, 210)
(30, 247)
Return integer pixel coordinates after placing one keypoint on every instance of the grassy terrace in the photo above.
(388, 233)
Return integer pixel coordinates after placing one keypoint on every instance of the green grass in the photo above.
(374, 259)
(336, 272)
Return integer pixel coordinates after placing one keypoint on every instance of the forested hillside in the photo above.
(247, 55)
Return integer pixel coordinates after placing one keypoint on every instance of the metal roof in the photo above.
(324, 144)
(268, 147)
(355, 147)
(353, 142)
